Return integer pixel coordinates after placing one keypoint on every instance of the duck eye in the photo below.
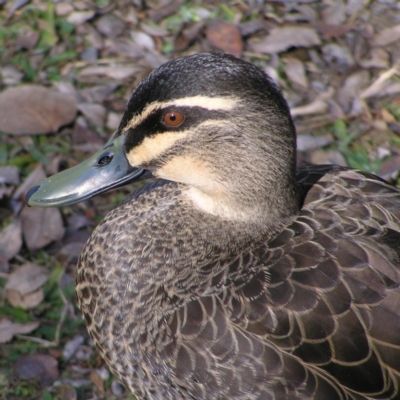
(173, 118)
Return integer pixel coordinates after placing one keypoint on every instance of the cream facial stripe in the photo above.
(208, 103)
(153, 146)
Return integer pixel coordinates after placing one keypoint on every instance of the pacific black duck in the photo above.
(234, 276)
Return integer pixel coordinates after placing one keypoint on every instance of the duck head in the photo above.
(212, 122)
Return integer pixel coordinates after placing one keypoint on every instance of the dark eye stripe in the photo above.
(154, 125)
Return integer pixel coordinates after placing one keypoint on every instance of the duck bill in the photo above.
(106, 169)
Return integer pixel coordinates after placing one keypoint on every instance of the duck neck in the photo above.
(155, 252)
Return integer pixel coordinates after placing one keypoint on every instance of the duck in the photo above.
(233, 273)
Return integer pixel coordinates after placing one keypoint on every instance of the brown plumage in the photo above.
(234, 276)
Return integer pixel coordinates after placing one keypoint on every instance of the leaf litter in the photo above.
(68, 69)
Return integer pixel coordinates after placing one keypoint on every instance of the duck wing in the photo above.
(317, 316)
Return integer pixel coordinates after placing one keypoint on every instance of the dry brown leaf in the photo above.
(26, 302)
(328, 31)
(378, 58)
(333, 12)
(122, 47)
(94, 113)
(41, 367)
(348, 93)
(34, 109)
(282, 38)
(387, 36)
(320, 156)
(27, 278)
(187, 35)
(67, 392)
(295, 71)
(10, 241)
(23, 286)
(41, 226)
(8, 329)
(79, 17)
(9, 175)
(167, 9)
(27, 40)
(63, 9)
(250, 27)
(143, 40)
(308, 142)
(116, 71)
(225, 36)
(390, 167)
(339, 56)
(110, 25)
(154, 30)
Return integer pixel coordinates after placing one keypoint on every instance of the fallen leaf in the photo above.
(8, 329)
(94, 113)
(28, 40)
(113, 120)
(390, 168)
(326, 157)
(338, 56)
(9, 175)
(328, 31)
(32, 109)
(41, 367)
(124, 47)
(81, 134)
(27, 278)
(283, 38)
(41, 226)
(167, 9)
(143, 40)
(295, 71)
(110, 25)
(63, 9)
(154, 30)
(250, 27)
(67, 392)
(11, 76)
(10, 241)
(378, 58)
(116, 71)
(333, 12)
(79, 17)
(349, 92)
(308, 142)
(71, 347)
(387, 36)
(188, 34)
(27, 302)
(225, 36)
